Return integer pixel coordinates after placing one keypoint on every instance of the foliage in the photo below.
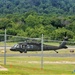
(60, 34)
(33, 25)
(26, 66)
(40, 6)
(31, 18)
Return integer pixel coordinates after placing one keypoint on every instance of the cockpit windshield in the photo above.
(16, 46)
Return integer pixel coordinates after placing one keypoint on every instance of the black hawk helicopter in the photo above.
(34, 46)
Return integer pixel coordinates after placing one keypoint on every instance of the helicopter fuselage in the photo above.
(33, 47)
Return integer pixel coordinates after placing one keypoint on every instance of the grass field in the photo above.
(32, 66)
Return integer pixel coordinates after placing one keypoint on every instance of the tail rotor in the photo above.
(65, 38)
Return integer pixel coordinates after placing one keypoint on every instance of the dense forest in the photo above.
(31, 18)
(40, 6)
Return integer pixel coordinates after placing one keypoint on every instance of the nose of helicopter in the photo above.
(12, 49)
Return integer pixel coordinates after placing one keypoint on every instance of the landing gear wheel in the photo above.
(25, 51)
(21, 52)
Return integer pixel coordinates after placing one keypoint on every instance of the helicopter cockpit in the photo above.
(16, 46)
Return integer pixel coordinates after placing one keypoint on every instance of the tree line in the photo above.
(31, 18)
(31, 24)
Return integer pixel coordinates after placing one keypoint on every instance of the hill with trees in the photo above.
(31, 18)
(39, 6)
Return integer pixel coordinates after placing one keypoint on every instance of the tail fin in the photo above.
(63, 44)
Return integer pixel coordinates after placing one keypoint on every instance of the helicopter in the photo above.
(35, 46)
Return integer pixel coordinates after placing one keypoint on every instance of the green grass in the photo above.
(52, 43)
(8, 43)
(30, 69)
(21, 66)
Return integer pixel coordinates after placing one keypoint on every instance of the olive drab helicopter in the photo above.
(35, 46)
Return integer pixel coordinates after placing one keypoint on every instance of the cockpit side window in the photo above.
(23, 46)
(29, 46)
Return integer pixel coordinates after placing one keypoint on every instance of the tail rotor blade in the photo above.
(65, 38)
(65, 34)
